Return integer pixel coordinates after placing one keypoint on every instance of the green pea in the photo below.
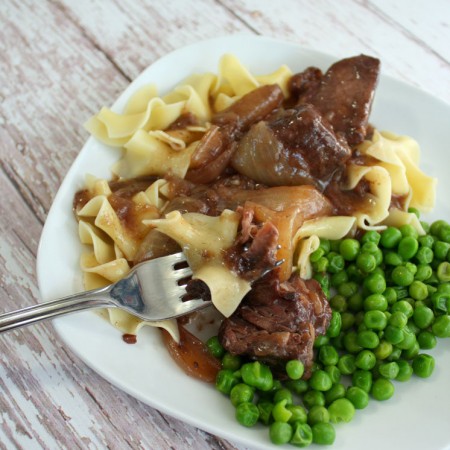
(350, 342)
(231, 362)
(334, 373)
(375, 320)
(382, 389)
(348, 320)
(336, 391)
(426, 241)
(338, 303)
(316, 255)
(436, 227)
(393, 335)
(283, 394)
(375, 302)
(298, 414)
(241, 393)
(398, 319)
(325, 245)
(411, 352)
(302, 435)
(321, 340)
(440, 301)
(320, 381)
(423, 365)
(265, 411)
(418, 290)
(393, 259)
(404, 307)
(297, 386)
(409, 338)
(225, 381)
(347, 364)
(408, 230)
(335, 324)
(215, 347)
(318, 414)
(355, 302)
(280, 433)
(341, 410)
(391, 295)
(280, 412)
(426, 340)
(441, 326)
(247, 414)
(443, 272)
(321, 265)
(335, 262)
(358, 396)
(362, 379)
(423, 316)
(395, 355)
(295, 369)
(323, 433)
(441, 250)
(257, 375)
(384, 350)
(348, 288)
(405, 370)
(365, 360)
(375, 283)
(328, 355)
(311, 398)
(349, 249)
(389, 370)
(424, 272)
(338, 278)
(402, 276)
(366, 262)
(424, 255)
(371, 236)
(444, 233)
(390, 237)
(368, 339)
(407, 247)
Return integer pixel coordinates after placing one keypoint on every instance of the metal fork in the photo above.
(152, 291)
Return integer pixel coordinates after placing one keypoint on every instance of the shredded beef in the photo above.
(277, 321)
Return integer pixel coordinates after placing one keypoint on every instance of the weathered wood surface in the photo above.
(62, 60)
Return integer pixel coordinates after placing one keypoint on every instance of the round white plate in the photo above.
(417, 417)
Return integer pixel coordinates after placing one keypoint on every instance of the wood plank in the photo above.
(135, 33)
(354, 27)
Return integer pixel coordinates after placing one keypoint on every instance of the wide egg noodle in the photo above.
(307, 238)
(90, 235)
(400, 156)
(203, 239)
(376, 207)
(148, 155)
(397, 218)
(155, 195)
(106, 220)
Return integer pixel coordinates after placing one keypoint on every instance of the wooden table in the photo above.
(61, 61)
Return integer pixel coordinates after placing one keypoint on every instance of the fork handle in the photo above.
(54, 308)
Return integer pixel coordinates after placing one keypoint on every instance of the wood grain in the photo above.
(61, 61)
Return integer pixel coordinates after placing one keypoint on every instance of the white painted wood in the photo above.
(60, 62)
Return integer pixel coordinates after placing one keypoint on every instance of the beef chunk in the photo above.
(277, 322)
(299, 147)
(345, 95)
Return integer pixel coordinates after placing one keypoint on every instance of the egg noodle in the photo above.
(150, 149)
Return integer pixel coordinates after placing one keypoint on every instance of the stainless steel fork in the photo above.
(152, 291)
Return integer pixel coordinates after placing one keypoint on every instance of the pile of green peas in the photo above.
(390, 297)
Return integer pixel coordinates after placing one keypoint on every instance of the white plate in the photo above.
(417, 417)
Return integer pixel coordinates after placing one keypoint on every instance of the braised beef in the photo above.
(345, 95)
(277, 321)
(300, 147)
